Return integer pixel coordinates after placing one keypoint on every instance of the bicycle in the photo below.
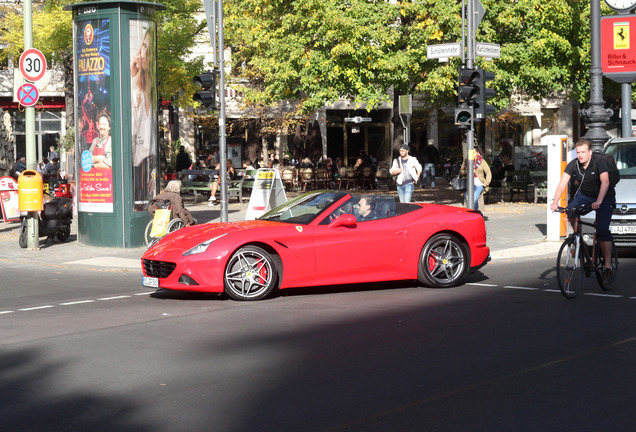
(574, 260)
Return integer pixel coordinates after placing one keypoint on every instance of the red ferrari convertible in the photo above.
(321, 238)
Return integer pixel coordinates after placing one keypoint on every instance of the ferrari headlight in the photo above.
(202, 247)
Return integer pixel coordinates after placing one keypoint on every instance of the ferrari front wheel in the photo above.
(250, 274)
(443, 262)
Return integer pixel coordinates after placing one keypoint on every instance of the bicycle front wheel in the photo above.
(599, 265)
(570, 272)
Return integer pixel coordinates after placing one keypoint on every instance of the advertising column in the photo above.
(116, 112)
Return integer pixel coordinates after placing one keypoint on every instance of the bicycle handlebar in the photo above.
(576, 210)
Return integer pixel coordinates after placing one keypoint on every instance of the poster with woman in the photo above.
(144, 125)
(92, 63)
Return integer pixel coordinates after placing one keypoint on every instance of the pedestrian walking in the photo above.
(408, 171)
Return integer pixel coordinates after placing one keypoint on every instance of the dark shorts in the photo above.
(603, 214)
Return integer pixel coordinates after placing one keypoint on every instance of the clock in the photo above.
(621, 5)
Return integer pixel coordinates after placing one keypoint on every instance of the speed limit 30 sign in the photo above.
(32, 64)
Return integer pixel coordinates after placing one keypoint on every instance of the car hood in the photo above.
(626, 190)
(188, 237)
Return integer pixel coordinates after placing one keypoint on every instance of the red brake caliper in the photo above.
(432, 261)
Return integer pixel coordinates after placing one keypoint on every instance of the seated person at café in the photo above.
(231, 175)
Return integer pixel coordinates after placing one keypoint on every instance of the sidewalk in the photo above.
(514, 230)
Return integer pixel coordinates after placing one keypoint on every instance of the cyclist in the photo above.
(592, 191)
(172, 194)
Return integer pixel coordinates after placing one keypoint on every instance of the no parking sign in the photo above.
(28, 94)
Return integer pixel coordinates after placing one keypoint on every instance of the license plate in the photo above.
(623, 229)
(150, 282)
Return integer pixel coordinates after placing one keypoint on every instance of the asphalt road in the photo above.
(93, 350)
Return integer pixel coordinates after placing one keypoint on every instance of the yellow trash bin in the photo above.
(30, 191)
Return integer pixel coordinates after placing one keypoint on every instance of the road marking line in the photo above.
(482, 284)
(552, 290)
(5, 312)
(114, 298)
(521, 288)
(145, 293)
(76, 302)
(36, 308)
(604, 295)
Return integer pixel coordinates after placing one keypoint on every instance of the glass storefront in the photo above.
(48, 127)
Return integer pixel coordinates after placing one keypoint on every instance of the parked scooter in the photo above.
(54, 221)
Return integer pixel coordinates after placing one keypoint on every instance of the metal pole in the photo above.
(470, 133)
(222, 140)
(463, 31)
(33, 231)
(626, 109)
(596, 116)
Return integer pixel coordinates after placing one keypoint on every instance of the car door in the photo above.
(360, 252)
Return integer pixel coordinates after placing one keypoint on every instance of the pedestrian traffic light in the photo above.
(463, 116)
(468, 89)
(482, 108)
(207, 95)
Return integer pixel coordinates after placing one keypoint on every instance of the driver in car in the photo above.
(365, 209)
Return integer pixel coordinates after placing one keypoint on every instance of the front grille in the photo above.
(628, 211)
(158, 269)
(624, 239)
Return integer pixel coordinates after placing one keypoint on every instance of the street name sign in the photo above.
(443, 51)
(357, 119)
(488, 50)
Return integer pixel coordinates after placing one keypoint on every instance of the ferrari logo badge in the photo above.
(299, 228)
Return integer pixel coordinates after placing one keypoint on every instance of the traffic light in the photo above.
(467, 92)
(207, 95)
(463, 116)
(468, 89)
(482, 109)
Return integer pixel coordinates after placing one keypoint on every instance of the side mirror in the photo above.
(345, 220)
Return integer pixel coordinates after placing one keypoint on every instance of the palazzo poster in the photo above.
(94, 144)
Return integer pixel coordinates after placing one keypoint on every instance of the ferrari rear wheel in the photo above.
(443, 262)
(250, 274)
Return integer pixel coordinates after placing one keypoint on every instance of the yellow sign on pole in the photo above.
(621, 35)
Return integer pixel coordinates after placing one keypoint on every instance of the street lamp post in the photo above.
(596, 116)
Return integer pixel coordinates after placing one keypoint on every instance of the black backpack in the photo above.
(614, 175)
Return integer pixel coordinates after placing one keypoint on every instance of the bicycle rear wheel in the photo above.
(599, 265)
(570, 272)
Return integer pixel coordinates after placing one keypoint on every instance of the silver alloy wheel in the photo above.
(250, 274)
(443, 262)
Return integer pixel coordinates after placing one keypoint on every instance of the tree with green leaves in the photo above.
(178, 33)
(315, 52)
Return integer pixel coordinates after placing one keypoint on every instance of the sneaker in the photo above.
(608, 276)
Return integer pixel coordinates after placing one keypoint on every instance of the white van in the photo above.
(623, 225)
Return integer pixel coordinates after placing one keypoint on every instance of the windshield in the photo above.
(304, 209)
(625, 156)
